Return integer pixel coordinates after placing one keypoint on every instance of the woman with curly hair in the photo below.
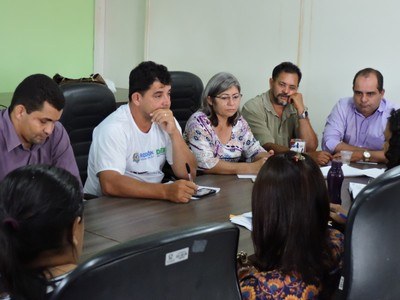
(392, 140)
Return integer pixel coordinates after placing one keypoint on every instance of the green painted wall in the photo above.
(45, 36)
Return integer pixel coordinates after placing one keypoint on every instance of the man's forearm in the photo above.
(117, 185)
(376, 155)
(277, 148)
(306, 132)
(180, 156)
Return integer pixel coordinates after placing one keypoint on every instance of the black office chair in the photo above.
(197, 263)
(372, 241)
(186, 91)
(86, 105)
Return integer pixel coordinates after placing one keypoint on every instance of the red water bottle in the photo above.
(335, 179)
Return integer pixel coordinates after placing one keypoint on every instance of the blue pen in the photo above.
(343, 216)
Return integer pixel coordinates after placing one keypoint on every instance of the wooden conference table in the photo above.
(110, 221)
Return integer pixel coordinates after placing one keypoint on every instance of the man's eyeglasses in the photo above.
(226, 98)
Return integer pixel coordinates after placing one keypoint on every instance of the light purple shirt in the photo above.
(346, 124)
(56, 149)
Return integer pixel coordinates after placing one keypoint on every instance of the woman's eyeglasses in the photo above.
(226, 98)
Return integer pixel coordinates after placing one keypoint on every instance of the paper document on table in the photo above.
(243, 220)
(354, 172)
(374, 172)
(355, 188)
(247, 176)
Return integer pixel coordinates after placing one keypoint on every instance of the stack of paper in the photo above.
(243, 220)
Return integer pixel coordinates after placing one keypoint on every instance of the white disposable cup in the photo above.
(298, 145)
(346, 156)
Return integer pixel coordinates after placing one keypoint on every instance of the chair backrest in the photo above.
(196, 263)
(86, 105)
(186, 92)
(372, 243)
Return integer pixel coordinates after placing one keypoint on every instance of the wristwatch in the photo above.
(304, 114)
(366, 155)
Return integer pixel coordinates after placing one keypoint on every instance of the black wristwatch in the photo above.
(304, 115)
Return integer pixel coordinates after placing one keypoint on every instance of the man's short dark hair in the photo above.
(143, 76)
(365, 72)
(286, 67)
(36, 89)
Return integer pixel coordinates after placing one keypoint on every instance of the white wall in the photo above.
(342, 37)
(119, 38)
(329, 40)
(209, 36)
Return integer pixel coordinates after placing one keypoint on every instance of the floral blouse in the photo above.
(257, 285)
(208, 149)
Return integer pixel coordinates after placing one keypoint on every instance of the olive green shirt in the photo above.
(265, 124)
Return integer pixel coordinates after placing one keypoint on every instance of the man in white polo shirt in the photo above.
(131, 145)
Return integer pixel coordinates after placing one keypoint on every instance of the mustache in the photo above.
(283, 95)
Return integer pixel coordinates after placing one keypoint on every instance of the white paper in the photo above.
(354, 172)
(247, 176)
(355, 188)
(374, 172)
(243, 220)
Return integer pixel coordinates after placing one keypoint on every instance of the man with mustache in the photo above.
(358, 123)
(279, 115)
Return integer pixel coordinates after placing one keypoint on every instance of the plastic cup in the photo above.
(298, 145)
(346, 156)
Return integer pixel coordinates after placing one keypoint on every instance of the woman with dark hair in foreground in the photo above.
(41, 230)
(297, 256)
(392, 140)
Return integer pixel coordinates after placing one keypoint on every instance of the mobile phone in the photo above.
(202, 192)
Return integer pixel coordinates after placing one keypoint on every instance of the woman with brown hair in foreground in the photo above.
(297, 256)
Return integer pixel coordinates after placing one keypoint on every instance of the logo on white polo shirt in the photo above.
(160, 151)
(136, 157)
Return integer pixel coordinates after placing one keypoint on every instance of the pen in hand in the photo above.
(188, 171)
(343, 216)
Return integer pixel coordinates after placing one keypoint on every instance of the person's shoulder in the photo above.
(344, 105)
(116, 120)
(241, 122)
(346, 101)
(196, 116)
(254, 105)
(389, 105)
(196, 119)
(265, 283)
(255, 100)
